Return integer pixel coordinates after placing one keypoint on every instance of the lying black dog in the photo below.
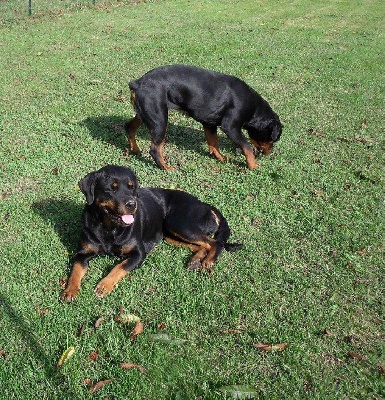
(123, 220)
(211, 98)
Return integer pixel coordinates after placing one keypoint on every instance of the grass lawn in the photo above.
(311, 217)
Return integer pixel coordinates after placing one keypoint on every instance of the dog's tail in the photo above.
(233, 246)
(222, 235)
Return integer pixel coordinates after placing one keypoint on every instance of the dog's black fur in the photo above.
(123, 220)
(211, 98)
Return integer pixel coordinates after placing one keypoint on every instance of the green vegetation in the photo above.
(311, 217)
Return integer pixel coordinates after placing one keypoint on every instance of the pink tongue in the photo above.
(128, 219)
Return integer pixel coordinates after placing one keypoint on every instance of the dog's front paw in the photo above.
(194, 265)
(104, 288)
(69, 294)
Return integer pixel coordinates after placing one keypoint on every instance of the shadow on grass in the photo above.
(24, 330)
(110, 129)
(64, 216)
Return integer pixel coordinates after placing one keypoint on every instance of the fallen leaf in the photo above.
(361, 252)
(271, 347)
(87, 381)
(381, 368)
(364, 123)
(99, 385)
(133, 366)
(317, 192)
(98, 322)
(327, 333)
(45, 311)
(138, 329)
(123, 318)
(67, 354)
(161, 326)
(165, 338)
(352, 339)
(356, 356)
(240, 391)
(55, 171)
(94, 355)
(3, 353)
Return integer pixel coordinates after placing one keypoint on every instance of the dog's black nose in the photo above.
(131, 203)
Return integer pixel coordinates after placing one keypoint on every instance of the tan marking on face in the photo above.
(264, 147)
(110, 204)
(115, 185)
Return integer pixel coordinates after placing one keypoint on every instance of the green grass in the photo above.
(311, 217)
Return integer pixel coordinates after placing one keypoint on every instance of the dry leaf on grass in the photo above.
(67, 354)
(271, 347)
(129, 320)
(240, 391)
(99, 385)
(138, 329)
(133, 366)
(98, 322)
(94, 355)
(356, 356)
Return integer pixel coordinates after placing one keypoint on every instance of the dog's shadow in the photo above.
(64, 216)
(110, 129)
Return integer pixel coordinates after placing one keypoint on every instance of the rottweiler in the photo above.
(211, 98)
(120, 219)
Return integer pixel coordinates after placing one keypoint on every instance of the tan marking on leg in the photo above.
(208, 262)
(74, 281)
(157, 153)
(250, 159)
(131, 128)
(107, 284)
(90, 248)
(175, 242)
(213, 142)
(204, 251)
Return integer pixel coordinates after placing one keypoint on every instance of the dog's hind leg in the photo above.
(131, 128)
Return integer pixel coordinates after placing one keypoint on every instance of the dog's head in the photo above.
(113, 190)
(264, 134)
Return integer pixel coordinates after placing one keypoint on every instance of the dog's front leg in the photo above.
(107, 284)
(79, 269)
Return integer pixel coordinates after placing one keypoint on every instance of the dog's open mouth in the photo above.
(125, 219)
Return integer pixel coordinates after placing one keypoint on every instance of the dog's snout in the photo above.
(131, 203)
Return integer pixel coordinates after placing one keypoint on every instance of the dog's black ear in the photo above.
(87, 186)
(276, 131)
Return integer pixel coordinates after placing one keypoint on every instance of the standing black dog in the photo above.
(211, 98)
(123, 220)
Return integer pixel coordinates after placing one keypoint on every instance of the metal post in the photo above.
(29, 7)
